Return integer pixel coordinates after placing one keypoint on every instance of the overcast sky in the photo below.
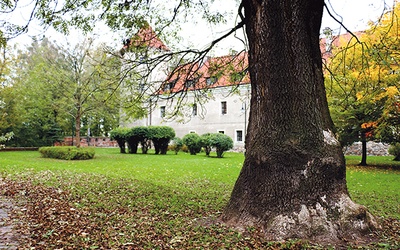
(354, 14)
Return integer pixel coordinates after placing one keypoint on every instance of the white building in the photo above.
(211, 95)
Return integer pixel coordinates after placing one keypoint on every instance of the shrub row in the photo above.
(67, 153)
(159, 135)
(220, 142)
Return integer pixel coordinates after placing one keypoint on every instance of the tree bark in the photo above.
(78, 129)
(293, 181)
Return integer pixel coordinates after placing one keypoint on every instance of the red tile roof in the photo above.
(146, 37)
(228, 70)
(215, 71)
(209, 73)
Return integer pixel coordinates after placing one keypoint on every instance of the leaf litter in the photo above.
(88, 211)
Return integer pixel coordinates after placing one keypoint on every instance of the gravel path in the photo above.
(8, 239)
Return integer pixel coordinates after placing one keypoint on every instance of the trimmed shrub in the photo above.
(119, 134)
(193, 142)
(177, 144)
(142, 135)
(136, 135)
(206, 142)
(394, 150)
(132, 141)
(221, 143)
(161, 136)
(67, 153)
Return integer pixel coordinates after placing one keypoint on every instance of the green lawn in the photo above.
(376, 186)
(153, 201)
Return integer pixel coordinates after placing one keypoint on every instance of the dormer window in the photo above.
(169, 86)
(211, 80)
(189, 83)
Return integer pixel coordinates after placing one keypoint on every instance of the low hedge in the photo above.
(67, 153)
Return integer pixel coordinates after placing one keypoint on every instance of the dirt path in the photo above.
(8, 238)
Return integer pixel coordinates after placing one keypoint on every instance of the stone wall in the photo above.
(373, 148)
(93, 142)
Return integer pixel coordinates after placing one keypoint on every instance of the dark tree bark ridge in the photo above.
(292, 183)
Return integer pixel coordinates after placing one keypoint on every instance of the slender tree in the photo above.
(363, 84)
(88, 80)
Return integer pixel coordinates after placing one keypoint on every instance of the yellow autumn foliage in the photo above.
(392, 91)
(359, 96)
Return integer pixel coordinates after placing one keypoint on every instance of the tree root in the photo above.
(323, 223)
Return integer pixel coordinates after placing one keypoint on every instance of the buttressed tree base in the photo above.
(293, 181)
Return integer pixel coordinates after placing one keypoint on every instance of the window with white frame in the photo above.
(239, 135)
(162, 111)
(194, 110)
(221, 131)
(224, 108)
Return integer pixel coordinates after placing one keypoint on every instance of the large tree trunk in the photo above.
(293, 181)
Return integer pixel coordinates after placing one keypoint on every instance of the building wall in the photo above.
(209, 117)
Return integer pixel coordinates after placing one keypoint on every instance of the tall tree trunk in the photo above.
(363, 149)
(78, 128)
(293, 181)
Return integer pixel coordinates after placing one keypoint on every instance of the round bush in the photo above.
(161, 136)
(221, 143)
(206, 142)
(177, 144)
(193, 142)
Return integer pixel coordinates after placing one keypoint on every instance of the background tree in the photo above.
(9, 117)
(136, 135)
(89, 79)
(4, 138)
(362, 87)
(36, 101)
(394, 150)
(61, 86)
(8, 97)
